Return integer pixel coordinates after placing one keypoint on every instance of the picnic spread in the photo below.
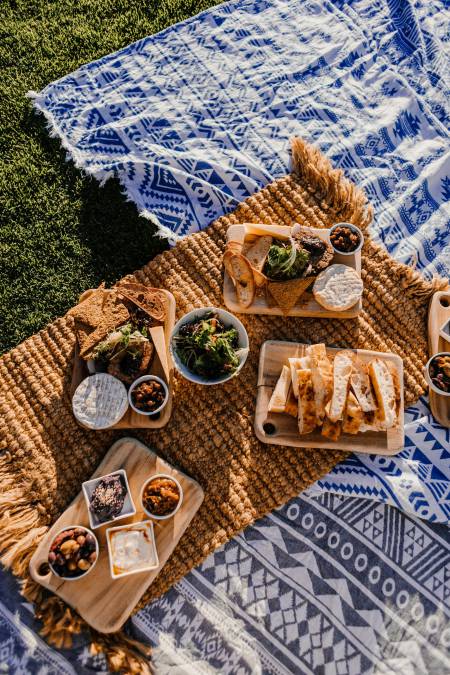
(242, 478)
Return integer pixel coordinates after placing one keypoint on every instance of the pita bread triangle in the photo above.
(286, 293)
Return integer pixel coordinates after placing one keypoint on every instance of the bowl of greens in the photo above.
(209, 345)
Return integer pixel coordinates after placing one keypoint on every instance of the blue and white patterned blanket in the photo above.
(192, 120)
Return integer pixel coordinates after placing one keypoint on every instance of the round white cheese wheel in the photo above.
(338, 288)
(100, 401)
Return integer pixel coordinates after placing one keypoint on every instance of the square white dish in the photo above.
(128, 508)
(144, 524)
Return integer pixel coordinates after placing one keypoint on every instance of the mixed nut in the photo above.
(73, 552)
(161, 496)
(439, 370)
(345, 239)
(148, 396)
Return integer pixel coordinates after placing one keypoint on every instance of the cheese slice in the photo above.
(277, 231)
(297, 364)
(280, 394)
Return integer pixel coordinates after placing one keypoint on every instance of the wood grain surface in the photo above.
(103, 602)
(306, 305)
(275, 354)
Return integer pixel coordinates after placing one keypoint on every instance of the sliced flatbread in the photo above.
(114, 314)
(354, 415)
(361, 387)
(291, 407)
(383, 385)
(306, 407)
(240, 271)
(331, 430)
(322, 377)
(342, 370)
(287, 293)
(337, 288)
(277, 403)
(397, 387)
(90, 311)
(297, 364)
(152, 301)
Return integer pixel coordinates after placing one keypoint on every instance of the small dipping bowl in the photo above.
(80, 576)
(148, 378)
(180, 501)
(355, 229)
(431, 384)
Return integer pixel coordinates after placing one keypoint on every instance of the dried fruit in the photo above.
(84, 564)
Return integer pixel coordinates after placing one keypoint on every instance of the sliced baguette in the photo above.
(306, 406)
(277, 403)
(257, 253)
(384, 388)
(342, 370)
(240, 271)
(291, 407)
(354, 415)
(361, 387)
(297, 364)
(322, 378)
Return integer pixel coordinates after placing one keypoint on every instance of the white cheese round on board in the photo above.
(338, 288)
(100, 401)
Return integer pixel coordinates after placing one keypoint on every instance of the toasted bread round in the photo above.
(240, 271)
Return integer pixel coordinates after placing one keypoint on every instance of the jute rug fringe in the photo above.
(44, 455)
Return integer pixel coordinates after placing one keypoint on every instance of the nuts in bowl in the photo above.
(161, 496)
(438, 373)
(346, 238)
(73, 552)
(148, 395)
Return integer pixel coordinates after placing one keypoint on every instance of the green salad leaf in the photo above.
(285, 261)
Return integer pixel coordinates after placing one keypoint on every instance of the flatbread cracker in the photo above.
(286, 293)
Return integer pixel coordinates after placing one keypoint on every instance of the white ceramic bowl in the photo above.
(180, 489)
(148, 378)
(80, 576)
(228, 320)
(148, 525)
(354, 228)
(428, 378)
(128, 508)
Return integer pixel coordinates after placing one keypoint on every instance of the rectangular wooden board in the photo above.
(438, 314)
(161, 366)
(307, 305)
(274, 354)
(103, 602)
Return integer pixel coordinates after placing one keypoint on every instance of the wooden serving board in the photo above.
(274, 355)
(438, 315)
(103, 602)
(161, 366)
(306, 305)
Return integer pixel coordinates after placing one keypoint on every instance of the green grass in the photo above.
(60, 232)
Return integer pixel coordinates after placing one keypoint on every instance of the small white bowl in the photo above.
(128, 508)
(180, 490)
(428, 378)
(352, 227)
(148, 378)
(145, 568)
(80, 576)
(228, 320)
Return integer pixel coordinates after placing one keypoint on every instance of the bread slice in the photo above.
(361, 387)
(297, 364)
(291, 407)
(331, 430)
(286, 293)
(306, 406)
(322, 378)
(342, 370)
(257, 253)
(240, 271)
(280, 394)
(353, 417)
(397, 387)
(384, 388)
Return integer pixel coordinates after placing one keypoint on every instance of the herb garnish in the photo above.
(285, 261)
(207, 347)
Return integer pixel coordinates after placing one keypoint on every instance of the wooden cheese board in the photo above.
(283, 429)
(161, 366)
(103, 602)
(439, 341)
(306, 305)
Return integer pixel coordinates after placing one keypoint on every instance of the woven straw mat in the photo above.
(46, 455)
